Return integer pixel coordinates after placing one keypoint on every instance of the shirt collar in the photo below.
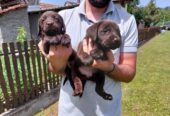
(81, 8)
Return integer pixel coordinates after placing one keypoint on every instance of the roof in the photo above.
(12, 8)
(41, 7)
(44, 6)
(69, 3)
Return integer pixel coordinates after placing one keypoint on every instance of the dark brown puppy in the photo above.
(105, 36)
(52, 30)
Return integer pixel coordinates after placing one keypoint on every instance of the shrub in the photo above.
(21, 37)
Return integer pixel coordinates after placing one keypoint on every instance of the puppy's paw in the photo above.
(103, 94)
(66, 41)
(78, 91)
(55, 40)
(107, 96)
(97, 54)
(86, 59)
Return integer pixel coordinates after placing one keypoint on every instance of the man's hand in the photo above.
(99, 64)
(58, 57)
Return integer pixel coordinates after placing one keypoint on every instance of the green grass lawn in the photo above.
(149, 93)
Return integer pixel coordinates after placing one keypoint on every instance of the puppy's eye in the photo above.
(106, 30)
(43, 18)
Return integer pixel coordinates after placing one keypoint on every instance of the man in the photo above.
(121, 64)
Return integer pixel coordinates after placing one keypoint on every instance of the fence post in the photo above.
(8, 68)
(15, 66)
(4, 87)
(24, 77)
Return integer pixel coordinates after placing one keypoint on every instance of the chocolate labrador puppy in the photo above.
(105, 36)
(52, 30)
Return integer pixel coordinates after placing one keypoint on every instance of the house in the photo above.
(33, 2)
(13, 14)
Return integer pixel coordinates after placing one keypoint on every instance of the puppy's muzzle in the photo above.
(50, 27)
(112, 43)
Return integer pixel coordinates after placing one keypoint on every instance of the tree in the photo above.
(132, 6)
(149, 14)
(136, 11)
(152, 14)
(165, 17)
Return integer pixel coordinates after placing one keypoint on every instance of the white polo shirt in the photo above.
(91, 104)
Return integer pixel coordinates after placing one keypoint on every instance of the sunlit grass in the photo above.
(149, 93)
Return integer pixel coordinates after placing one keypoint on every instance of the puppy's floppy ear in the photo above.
(39, 31)
(118, 32)
(39, 27)
(117, 29)
(92, 31)
(63, 29)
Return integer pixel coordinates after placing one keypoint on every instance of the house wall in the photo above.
(0, 36)
(33, 21)
(10, 21)
(33, 2)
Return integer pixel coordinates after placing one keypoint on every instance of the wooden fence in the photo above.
(147, 33)
(24, 74)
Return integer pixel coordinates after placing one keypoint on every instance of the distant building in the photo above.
(33, 2)
(69, 3)
(13, 14)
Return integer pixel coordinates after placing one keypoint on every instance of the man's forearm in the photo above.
(123, 73)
